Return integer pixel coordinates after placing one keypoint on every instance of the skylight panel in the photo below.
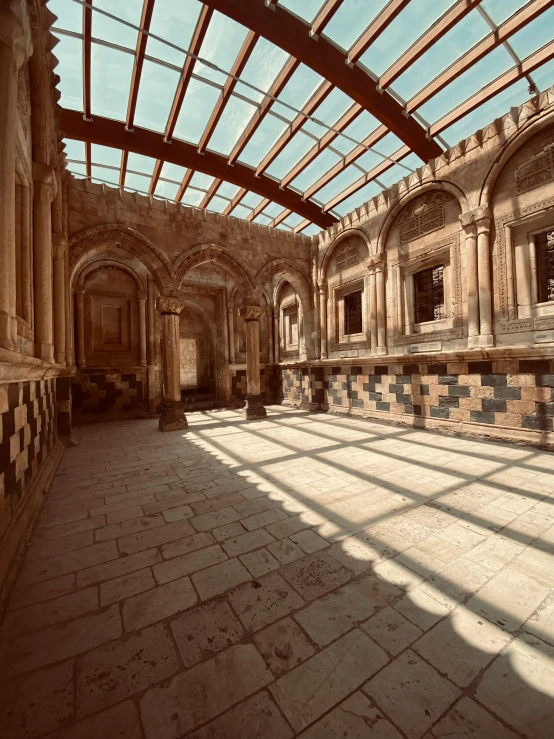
(140, 163)
(221, 46)
(450, 47)
(204, 181)
(197, 107)
(241, 211)
(263, 66)
(407, 27)
(494, 108)
(321, 164)
(339, 183)
(174, 22)
(501, 10)
(192, 197)
(392, 175)
(166, 190)
(173, 172)
(272, 210)
(305, 9)
(382, 149)
(467, 84)
(267, 133)
(298, 90)
(155, 97)
(331, 109)
(69, 52)
(77, 168)
(251, 199)
(113, 31)
(293, 220)
(110, 79)
(217, 205)
(311, 230)
(361, 127)
(291, 154)
(360, 197)
(105, 155)
(544, 76)
(70, 15)
(138, 182)
(234, 119)
(534, 35)
(74, 149)
(228, 190)
(106, 174)
(353, 17)
(262, 219)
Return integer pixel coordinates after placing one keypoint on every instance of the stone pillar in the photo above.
(59, 298)
(172, 417)
(485, 296)
(26, 258)
(276, 334)
(323, 316)
(8, 109)
(377, 304)
(80, 326)
(142, 329)
(254, 405)
(42, 260)
(372, 309)
(231, 323)
(476, 224)
(315, 307)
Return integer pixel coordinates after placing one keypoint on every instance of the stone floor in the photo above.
(305, 575)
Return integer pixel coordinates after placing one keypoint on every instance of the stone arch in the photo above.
(100, 238)
(92, 266)
(510, 147)
(440, 185)
(219, 256)
(301, 284)
(333, 245)
(192, 307)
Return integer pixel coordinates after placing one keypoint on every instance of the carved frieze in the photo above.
(422, 216)
(536, 171)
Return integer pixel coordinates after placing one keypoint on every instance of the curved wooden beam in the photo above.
(149, 143)
(292, 35)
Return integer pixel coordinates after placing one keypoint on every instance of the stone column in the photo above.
(172, 417)
(59, 298)
(377, 304)
(26, 259)
(254, 405)
(42, 260)
(8, 109)
(276, 334)
(323, 316)
(372, 309)
(80, 325)
(472, 283)
(485, 296)
(316, 337)
(142, 329)
(231, 323)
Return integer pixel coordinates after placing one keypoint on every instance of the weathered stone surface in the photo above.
(260, 602)
(283, 646)
(158, 603)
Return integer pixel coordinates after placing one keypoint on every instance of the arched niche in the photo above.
(289, 323)
(348, 249)
(197, 347)
(219, 256)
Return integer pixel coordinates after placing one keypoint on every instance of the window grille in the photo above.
(544, 249)
(429, 294)
(348, 257)
(353, 313)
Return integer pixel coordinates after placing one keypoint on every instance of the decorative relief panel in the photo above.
(422, 216)
(348, 254)
(536, 171)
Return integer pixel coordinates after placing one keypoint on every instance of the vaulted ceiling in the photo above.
(288, 113)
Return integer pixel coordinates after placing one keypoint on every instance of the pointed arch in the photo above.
(95, 264)
(219, 256)
(97, 239)
(333, 245)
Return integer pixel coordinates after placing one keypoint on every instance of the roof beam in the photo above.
(380, 24)
(258, 209)
(235, 201)
(145, 20)
(444, 24)
(155, 176)
(520, 19)
(208, 197)
(274, 91)
(280, 218)
(149, 143)
(184, 184)
(543, 55)
(322, 92)
(301, 226)
(230, 84)
(87, 46)
(292, 35)
(324, 16)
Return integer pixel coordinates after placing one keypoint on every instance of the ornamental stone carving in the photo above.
(536, 171)
(251, 312)
(170, 304)
(422, 216)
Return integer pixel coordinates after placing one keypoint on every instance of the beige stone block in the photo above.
(341, 667)
(469, 380)
(516, 380)
(456, 368)
(260, 602)
(154, 537)
(20, 417)
(483, 392)
(203, 631)
(123, 587)
(186, 564)
(471, 404)
(69, 562)
(203, 692)
(118, 670)
(505, 366)
(157, 604)
(467, 718)
(114, 723)
(117, 567)
(220, 578)
(459, 414)
(520, 406)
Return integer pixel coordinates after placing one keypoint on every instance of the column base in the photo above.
(60, 358)
(44, 351)
(173, 417)
(486, 340)
(379, 351)
(473, 341)
(254, 408)
(6, 332)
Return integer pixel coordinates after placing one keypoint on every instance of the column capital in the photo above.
(170, 304)
(59, 245)
(322, 287)
(476, 217)
(376, 263)
(251, 312)
(15, 31)
(142, 297)
(44, 181)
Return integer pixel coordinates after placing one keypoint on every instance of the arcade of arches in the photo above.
(427, 314)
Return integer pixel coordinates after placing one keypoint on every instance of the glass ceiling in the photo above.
(248, 101)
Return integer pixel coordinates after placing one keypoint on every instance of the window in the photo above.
(353, 313)
(348, 257)
(292, 334)
(544, 250)
(429, 294)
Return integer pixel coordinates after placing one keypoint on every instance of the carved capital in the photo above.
(375, 263)
(169, 304)
(472, 218)
(251, 312)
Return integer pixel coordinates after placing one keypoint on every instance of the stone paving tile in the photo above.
(34, 704)
(283, 645)
(203, 631)
(62, 564)
(315, 575)
(118, 722)
(315, 686)
(413, 692)
(285, 551)
(118, 567)
(66, 529)
(260, 562)
(391, 630)
(260, 602)
(26, 595)
(468, 719)
(186, 564)
(187, 545)
(154, 537)
(123, 587)
(203, 692)
(157, 604)
(220, 578)
(123, 668)
(247, 542)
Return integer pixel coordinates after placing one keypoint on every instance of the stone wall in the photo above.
(270, 380)
(103, 395)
